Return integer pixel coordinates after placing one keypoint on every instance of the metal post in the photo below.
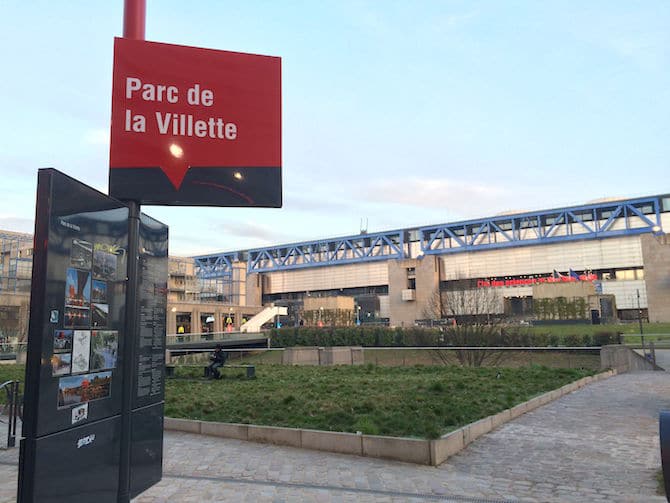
(15, 412)
(652, 352)
(134, 19)
(639, 312)
(129, 349)
(134, 25)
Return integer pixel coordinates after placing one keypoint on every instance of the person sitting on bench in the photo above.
(218, 358)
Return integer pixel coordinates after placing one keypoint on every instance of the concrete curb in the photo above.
(448, 445)
(410, 450)
(187, 425)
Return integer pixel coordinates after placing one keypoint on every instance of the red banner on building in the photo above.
(495, 282)
(195, 126)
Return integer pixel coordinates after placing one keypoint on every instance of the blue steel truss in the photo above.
(346, 250)
(594, 221)
(215, 266)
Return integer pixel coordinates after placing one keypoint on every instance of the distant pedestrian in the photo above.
(218, 359)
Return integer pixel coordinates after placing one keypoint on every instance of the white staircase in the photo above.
(256, 322)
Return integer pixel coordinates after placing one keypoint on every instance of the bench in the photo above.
(250, 369)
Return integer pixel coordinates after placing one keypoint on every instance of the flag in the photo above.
(558, 275)
(574, 275)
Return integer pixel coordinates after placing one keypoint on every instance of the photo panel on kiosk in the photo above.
(73, 387)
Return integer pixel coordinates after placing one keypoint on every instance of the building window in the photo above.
(625, 275)
(183, 323)
(411, 278)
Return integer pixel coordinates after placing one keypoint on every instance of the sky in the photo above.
(395, 114)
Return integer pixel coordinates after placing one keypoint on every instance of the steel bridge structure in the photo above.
(600, 220)
(15, 268)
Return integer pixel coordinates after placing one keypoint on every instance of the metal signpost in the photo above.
(189, 127)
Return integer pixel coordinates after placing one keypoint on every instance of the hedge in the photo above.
(380, 336)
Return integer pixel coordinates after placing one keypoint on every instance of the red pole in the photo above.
(134, 19)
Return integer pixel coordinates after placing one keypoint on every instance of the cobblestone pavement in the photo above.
(599, 443)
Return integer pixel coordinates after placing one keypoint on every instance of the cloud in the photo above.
(250, 234)
(647, 50)
(96, 137)
(456, 199)
(637, 33)
(453, 20)
(428, 192)
(312, 203)
(17, 224)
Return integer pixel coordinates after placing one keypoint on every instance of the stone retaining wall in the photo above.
(623, 359)
(412, 450)
(339, 355)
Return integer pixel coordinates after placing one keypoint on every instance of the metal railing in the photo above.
(648, 347)
(12, 408)
(660, 339)
(13, 350)
(212, 336)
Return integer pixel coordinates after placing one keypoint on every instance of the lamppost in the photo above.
(639, 320)
(639, 312)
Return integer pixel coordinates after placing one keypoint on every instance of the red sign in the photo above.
(195, 126)
(484, 283)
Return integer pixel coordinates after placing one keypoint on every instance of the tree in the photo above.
(477, 321)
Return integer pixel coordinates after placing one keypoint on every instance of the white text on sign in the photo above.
(176, 124)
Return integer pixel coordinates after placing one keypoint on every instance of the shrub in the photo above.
(461, 335)
(572, 340)
(436, 387)
(366, 425)
(605, 338)
(541, 340)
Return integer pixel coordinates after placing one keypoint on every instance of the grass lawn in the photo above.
(589, 359)
(583, 329)
(11, 372)
(417, 401)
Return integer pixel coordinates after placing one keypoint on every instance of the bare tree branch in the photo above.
(476, 313)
